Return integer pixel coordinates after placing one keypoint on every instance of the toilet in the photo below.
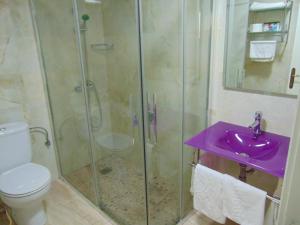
(23, 184)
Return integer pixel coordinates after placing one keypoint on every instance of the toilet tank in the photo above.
(15, 145)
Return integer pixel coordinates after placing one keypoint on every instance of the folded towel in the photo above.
(262, 51)
(256, 6)
(243, 203)
(208, 193)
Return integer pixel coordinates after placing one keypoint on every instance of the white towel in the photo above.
(262, 51)
(256, 6)
(243, 203)
(208, 193)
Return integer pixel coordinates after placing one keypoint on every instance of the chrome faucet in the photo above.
(256, 125)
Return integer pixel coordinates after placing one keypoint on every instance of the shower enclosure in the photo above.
(127, 82)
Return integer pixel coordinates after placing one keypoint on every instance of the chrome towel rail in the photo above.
(197, 156)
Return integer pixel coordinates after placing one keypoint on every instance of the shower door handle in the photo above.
(151, 118)
(154, 118)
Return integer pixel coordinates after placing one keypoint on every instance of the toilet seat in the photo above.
(24, 180)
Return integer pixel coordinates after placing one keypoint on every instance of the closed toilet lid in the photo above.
(24, 179)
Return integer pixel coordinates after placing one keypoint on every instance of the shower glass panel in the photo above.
(127, 83)
(163, 89)
(197, 30)
(55, 25)
(110, 43)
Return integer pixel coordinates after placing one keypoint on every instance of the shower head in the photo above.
(85, 17)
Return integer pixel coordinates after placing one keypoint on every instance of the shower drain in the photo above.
(105, 170)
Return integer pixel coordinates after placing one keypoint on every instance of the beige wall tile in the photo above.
(22, 92)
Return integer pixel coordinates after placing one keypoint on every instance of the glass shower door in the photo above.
(110, 42)
(142, 168)
(197, 37)
(54, 22)
(162, 45)
(176, 52)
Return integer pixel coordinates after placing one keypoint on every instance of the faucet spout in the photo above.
(256, 125)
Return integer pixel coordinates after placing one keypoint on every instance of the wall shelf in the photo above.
(283, 18)
(269, 32)
(271, 7)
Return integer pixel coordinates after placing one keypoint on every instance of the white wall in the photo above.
(239, 107)
(289, 213)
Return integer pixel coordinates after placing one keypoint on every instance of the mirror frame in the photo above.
(245, 90)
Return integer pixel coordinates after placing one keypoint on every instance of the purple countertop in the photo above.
(267, 153)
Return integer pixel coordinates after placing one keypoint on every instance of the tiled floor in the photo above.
(197, 219)
(3, 219)
(66, 207)
(127, 204)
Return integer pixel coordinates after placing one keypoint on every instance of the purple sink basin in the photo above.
(244, 144)
(267, 152)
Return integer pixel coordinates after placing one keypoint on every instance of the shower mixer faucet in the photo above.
(89, 85)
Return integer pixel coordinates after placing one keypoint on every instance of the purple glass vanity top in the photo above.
(268, 152)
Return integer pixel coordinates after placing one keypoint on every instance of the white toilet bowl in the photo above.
(24, 189)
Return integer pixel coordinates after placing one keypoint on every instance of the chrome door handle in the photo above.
(151, 118)
(154, 118)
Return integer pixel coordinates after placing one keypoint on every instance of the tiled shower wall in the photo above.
(22, 93)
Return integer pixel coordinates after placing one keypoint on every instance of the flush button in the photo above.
(3, 129)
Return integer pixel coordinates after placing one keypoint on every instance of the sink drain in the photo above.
(245, 155)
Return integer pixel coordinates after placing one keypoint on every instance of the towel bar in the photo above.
(197, 156)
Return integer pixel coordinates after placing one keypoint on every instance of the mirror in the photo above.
(263, 46)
